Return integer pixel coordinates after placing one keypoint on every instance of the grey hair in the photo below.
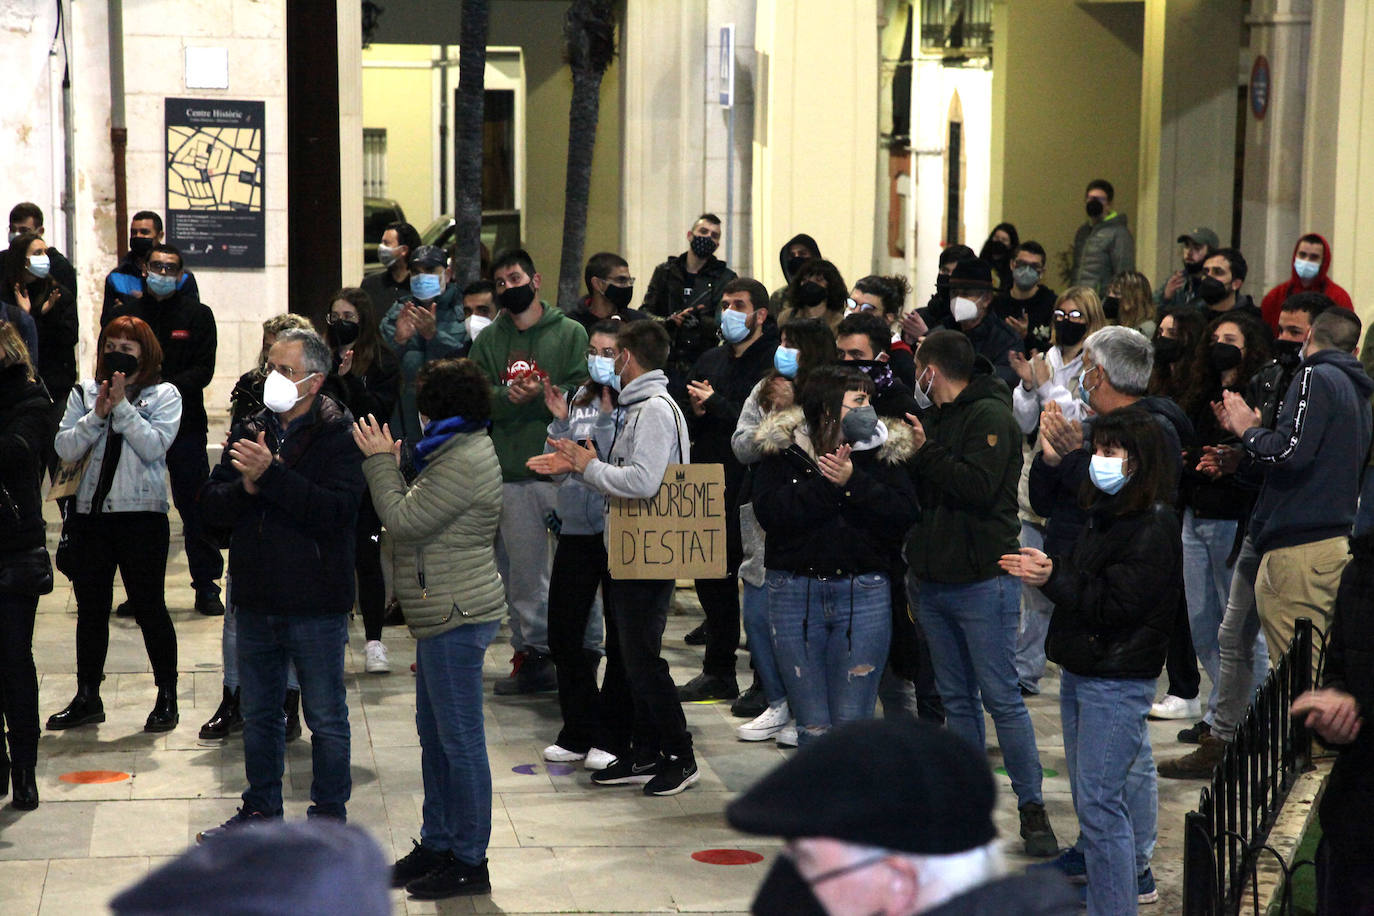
(314, 351)
(1126, 355)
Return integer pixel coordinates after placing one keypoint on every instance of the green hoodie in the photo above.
(556, 346)
(966, 477)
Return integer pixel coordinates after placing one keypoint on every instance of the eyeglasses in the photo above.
(166, 268)
(608, 352)
(1074, 315)
(855, 305)
(289, 372)
(333, 318)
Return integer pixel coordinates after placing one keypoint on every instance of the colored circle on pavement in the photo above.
(1049, 774)
(524, 769)
(92, 777)
(559, 769)
(727, 856)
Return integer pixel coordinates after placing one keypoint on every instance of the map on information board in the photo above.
(215, 181)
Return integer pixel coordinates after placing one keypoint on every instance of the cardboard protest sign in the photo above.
(679, 533)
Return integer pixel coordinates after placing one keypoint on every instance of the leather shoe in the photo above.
(25, 789)
(226, 720)
(208, 604)
(164, 716)
(84, 709)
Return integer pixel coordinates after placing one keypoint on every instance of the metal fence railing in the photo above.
(1227, 836)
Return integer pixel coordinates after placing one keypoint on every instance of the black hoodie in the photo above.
(732, 378)
(1315, 456)
(25, 430)
(778, 300)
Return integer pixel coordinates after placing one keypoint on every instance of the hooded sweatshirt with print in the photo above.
(1273, 300)
(651, 435)
(556, 346)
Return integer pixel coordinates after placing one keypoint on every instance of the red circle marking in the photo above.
(88, 777)
(727, 857)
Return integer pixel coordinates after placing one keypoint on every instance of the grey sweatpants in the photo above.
(524, 557)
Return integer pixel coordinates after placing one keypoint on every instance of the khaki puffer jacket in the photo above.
(444, 531)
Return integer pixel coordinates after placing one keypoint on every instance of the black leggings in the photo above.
(368, 563)
(18, 678)
(136, 543)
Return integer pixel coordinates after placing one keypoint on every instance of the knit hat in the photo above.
(903, 785)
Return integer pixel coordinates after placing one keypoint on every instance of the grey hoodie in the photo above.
(651, 435)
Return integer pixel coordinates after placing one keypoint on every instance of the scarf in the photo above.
(440, 431)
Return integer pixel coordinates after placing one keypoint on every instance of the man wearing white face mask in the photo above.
(289, 488)
(479, 309)
(970, 298)
(393, 251)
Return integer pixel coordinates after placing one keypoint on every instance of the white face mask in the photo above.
(475, 324)
(922, 395)
(964, 309)
(279, 393)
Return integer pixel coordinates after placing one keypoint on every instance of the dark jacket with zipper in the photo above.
(26, 429)
(292, 544)
(966, 477)
(732, 378)
(372, 392)
(1116, 596)
(1212, 498)
(817, 528)
(58, 330)
(1347, 807)
(185, 328)
(697, 332)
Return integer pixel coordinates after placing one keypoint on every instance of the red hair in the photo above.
(126, 327)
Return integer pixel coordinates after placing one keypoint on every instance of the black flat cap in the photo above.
(905, 786)
(971, 273)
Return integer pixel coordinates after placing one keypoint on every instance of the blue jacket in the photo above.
(1315, 456)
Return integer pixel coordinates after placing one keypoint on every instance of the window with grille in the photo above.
(374, 162)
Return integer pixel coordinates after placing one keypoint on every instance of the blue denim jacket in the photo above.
(148, 421)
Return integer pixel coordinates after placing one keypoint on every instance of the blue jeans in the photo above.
(831, 638)
(753, 607)
(453, 744)
(1112, 775)
(266, 644)
(1207, 543)
(972, 629)
(1035, 620)
(229, 642)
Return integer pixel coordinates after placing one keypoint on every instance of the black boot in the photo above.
(164, 716)
(84, 709)
(226, 720)
(25, 789)
(4, 770)
(292, 710)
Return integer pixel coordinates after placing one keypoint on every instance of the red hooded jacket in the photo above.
(1274, 299)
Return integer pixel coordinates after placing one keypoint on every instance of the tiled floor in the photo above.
(558, 844)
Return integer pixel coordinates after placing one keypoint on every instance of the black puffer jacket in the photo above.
(25, 430)
(1115, 597)
(292, 547)
(1348, 804)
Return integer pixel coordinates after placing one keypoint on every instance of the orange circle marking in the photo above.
(89, 777)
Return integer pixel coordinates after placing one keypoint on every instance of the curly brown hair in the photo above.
(453, 388)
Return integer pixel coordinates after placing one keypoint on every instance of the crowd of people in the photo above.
(925, 508)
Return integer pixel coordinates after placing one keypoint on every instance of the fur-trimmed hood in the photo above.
(781, 429)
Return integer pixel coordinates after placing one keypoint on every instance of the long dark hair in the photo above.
(822, 398)
(592, 389)
(13, 266)
(816, 343)
(367, 349)
(1153, 470)
(1170, 380)
(1204, 383)
(835, 291)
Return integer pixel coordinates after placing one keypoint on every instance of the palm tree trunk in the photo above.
(582, 117)
(467, 141)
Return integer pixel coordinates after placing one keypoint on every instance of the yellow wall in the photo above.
(1067, 81)
(1353, 228)
(402, 101)
(816, 176)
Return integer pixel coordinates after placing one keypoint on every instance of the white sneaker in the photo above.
(597, 759)
(1172, 707)
(787, 737)
(556, 754)
(376, 658)
(768, 723)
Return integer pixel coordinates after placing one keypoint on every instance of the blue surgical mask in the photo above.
(1108, 474)
(426, 286)
(734, 326)
(1083, 394)
(39, 265)
(161, 285)
(1306, 270)
(785, 361)
(602, 371)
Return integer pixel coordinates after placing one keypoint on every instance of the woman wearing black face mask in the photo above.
(1053, 376)
(997, 252)
(1233, 349)
(121, 423)
(365, 379)
(834, 502)
(1175, 343)
(816, 291)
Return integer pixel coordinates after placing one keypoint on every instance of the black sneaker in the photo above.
(708, 687)
(208, 603)
(1194, 734)
(242, 818)
(417, 863)
(1037, 832)
(125, 609)
(696, 636)
(674, 775)
(750, 704)
(454, 879)
(626, 772)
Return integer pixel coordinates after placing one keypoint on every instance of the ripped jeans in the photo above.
(830, 637)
